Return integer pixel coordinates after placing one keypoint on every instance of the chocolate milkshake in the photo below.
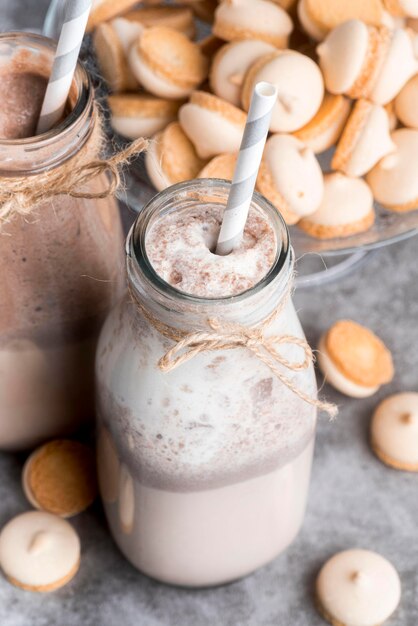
(204, 469)
(61, 263)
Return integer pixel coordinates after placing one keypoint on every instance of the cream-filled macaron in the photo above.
(327, 14)
(167, 63)
(105, 10)
(394, 431)
(299, 83)
(309, 25)
(365, 140)
(325, 128)
(112, 42)
(39, 551)
(394, 180)
(221, 166)
(406, 103)
(141, 115)
(230, 65)
(171, 158)
(213, 125)
(350, 57)
(402, 8)
(252, 19)
(290, 177)
(399, 65)
(357, 588)
(178, 17)
(354, 360)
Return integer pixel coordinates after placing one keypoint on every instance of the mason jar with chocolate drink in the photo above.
(206, 393)
(60, 249)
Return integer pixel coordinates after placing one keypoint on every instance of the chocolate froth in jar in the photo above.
(21, 97)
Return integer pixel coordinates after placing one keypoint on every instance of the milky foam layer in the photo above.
(180, 245)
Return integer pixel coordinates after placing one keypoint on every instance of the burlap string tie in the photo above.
(224, 335)
(23, 194)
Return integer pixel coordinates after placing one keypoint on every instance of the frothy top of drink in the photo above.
(21, 97)
(180, 247)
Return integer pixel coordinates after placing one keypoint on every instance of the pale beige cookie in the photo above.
(351, 57)
(406, 104)
(167, 63)
(290, 177)
(354, 360)
(308, 23)
(394, 179)
(357, 588)
(221, 166)
(141, 115)
(171, 158)
(300, 88)
(230, 65)
(105, 10)
(111, 56)
(402, 8)
(177, 17)
(325, 128)
(253, 19)
(328, 14)
(60, 477)
(39, 551)
(364, 141)
(212, 124)
(346, 208)
(394, 431)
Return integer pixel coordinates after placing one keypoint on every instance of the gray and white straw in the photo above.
(76, 15)
(248, 163)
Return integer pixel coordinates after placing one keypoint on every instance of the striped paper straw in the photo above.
(75, 21)
(248, 163)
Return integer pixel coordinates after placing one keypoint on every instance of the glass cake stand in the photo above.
(318, 260)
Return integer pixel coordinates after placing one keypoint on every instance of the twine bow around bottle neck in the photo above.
(224, 335)
(21, 195)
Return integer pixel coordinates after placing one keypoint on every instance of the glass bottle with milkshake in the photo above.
(60, 248)
(206, 390)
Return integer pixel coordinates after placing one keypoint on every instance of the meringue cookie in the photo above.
(252, 19)
(167, 63)
(364, 141)
(406, 103)
(230, 65)
(325, 128)
(221, 166)
(300, 88)
(290, 177)
(357, 588)
(346, 208)
(112, 42)
(403, 8)
(213, 125)
(399, 65)
(105, 10)
(327, 14)
(141, 115)
(309, 25)
(178, 17)
(394, 179)
(394, 431)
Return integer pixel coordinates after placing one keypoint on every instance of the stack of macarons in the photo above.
(347, 78)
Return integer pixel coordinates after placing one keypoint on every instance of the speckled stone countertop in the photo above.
(354, 500)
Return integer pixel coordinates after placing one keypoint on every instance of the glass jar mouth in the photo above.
(81, 80)
(136, 243)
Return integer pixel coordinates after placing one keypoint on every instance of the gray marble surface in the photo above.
(354, 499)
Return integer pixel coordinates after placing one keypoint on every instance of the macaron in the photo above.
(354, 360)
(357, 588)
(112, 41)
(171, 158)
(325, 128)
(346, 208)
(394, 180)
(364, 141)
(221, 166)
(402, 8)
(141, 115)
(213, 125)
(60, 477)
(253, 19)
(327, 14)
(399, 65)
(167, 63)
(177, 17)
(300, 88)
(309, 25)
(351, 56)
(394, 431)
(406, 104)
(105, 10)
(290, 177)
(39, 551)
(230, 65)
